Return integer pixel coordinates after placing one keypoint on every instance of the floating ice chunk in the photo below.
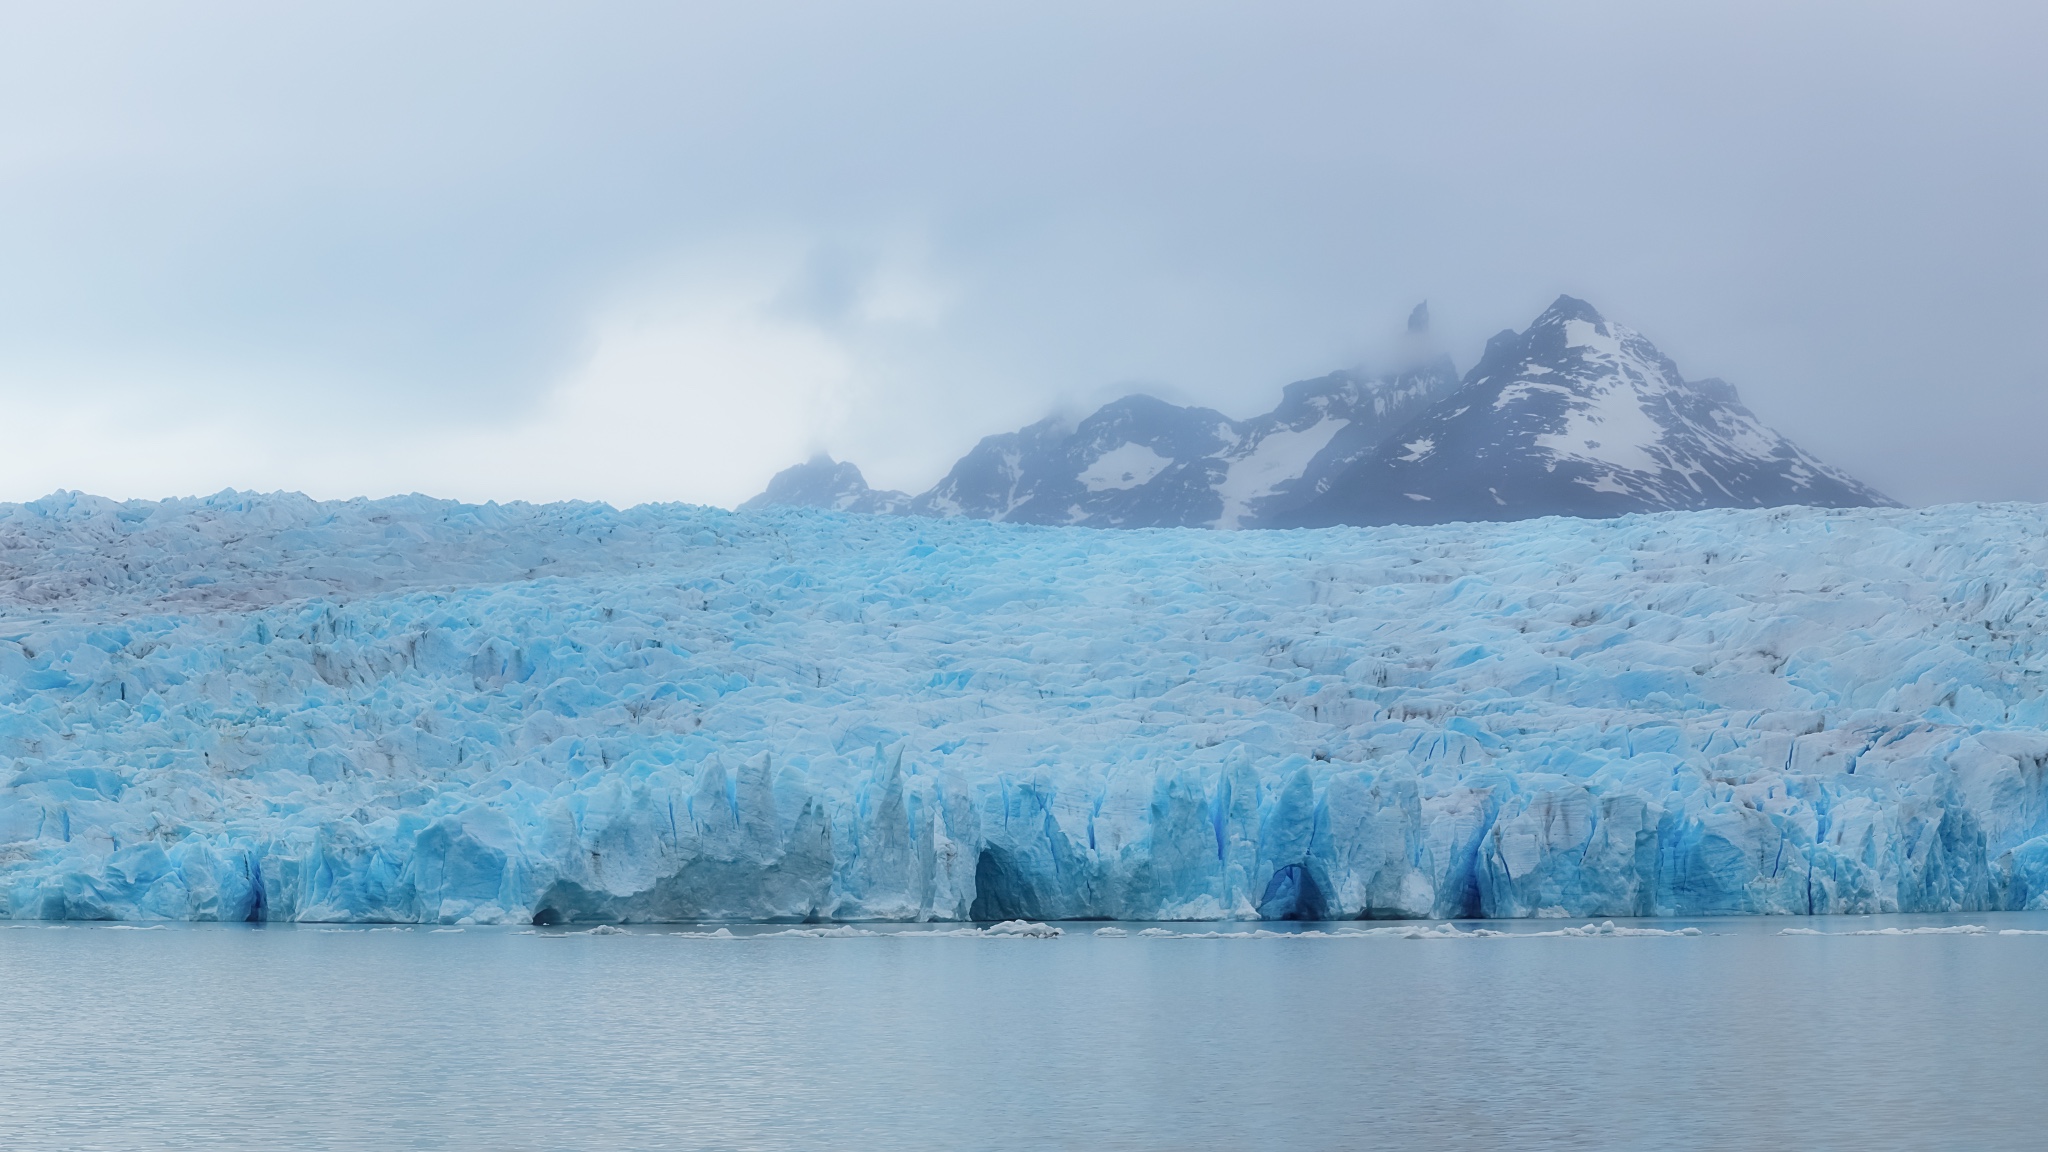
(1609, 928)
(1948, 930)
(1437, 932)
(1024, 928)
(829, 932)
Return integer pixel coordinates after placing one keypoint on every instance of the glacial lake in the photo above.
(306, 1037)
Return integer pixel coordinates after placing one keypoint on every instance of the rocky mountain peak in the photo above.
(1574, 415)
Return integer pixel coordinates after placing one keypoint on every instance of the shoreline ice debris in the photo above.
(417, 711)
(1922, 930)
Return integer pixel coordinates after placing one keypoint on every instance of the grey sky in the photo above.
(632, 252)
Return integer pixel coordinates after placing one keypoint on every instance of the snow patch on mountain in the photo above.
(1274, 461)
(1419, 449)
(1608, 425)
(1124, 467)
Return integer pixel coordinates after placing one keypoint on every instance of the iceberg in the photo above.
(265, 707)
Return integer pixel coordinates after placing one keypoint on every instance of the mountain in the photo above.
(1577, 416)
(822, 482)
(1144, 463)
(1321, 429)
(1136, 463)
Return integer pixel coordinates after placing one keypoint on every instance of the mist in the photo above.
(649, 252)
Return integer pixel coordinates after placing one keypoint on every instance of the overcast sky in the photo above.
(649, 252)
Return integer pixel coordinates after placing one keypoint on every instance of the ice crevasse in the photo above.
(267, 707)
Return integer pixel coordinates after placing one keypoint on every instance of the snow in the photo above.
(1418, 449)
(1742, 434)
(1605, 419)
(1591, 337)
(1609, 417)
(426, 712)
(1610, 427)
(1281, 456)
(1127, 466)
(1521, 390)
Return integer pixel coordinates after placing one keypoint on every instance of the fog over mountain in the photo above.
(1575, 416)
(658, 252)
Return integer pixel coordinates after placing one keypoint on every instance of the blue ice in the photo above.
(266, 707)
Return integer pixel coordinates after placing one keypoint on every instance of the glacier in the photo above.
(265, 707)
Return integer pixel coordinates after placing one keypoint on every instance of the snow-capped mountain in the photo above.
(1577, 416)
(822, 482)
(1136, 463)
(1143, 463)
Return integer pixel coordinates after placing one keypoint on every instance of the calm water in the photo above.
(301, 1038)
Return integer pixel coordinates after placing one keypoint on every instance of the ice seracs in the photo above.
(271, 708)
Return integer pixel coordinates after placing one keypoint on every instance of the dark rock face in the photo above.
(1576, 416)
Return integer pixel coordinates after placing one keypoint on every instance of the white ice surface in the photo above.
(419, 711)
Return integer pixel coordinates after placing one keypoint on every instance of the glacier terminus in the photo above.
(264, 707)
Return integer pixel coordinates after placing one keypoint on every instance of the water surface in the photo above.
(233, 1036)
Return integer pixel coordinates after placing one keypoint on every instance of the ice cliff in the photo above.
(263, 707)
